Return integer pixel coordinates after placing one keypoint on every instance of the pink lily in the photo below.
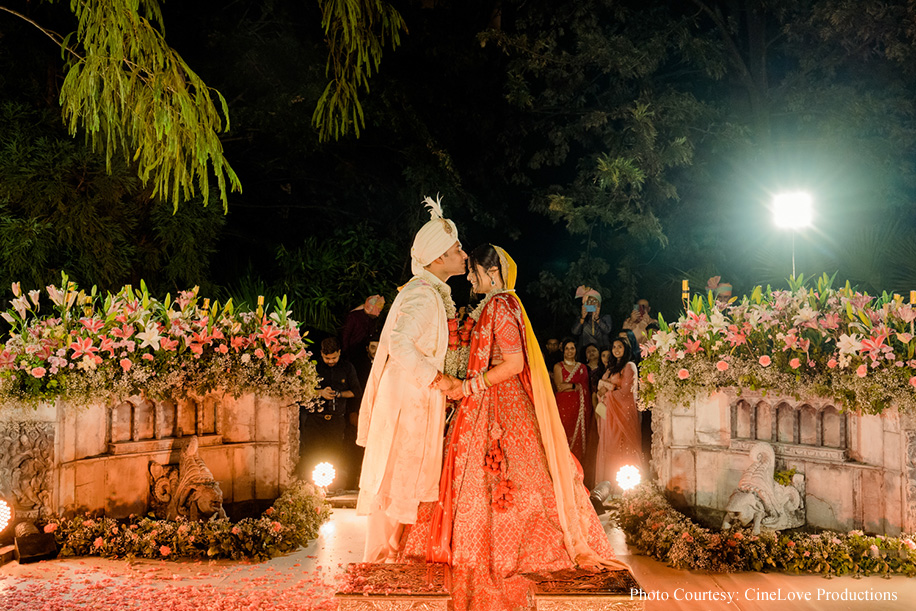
(93, 325)
(82, 346)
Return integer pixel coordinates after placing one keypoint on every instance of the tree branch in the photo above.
(57, 38)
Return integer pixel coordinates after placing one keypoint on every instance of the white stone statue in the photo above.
(763, 501)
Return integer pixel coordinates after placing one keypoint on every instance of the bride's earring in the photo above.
(492, 281)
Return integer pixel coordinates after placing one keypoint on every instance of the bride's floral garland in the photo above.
(459, 352)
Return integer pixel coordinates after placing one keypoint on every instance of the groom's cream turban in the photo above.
(433, 239)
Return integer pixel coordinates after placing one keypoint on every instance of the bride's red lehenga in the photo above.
(496, 486)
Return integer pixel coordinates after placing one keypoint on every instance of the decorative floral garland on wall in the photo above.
(820, 341)
(82, 347)
(291, 522)
(655, 529)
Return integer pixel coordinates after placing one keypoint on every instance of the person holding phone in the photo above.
(639, 319)
(591, 327)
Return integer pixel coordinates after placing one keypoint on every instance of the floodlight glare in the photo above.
(792, 210)
(6, 515)
(628, 477)
(323, 474)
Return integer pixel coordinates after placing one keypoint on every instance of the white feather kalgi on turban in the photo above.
(433, 239)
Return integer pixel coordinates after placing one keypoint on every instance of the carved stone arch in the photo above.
(809, 430)
(833, 427)
(786, 423)
(765, 428)
(742, 420)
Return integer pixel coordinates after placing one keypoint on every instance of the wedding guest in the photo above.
(321, 431)
(360, 324)
(619, 441)
(574, 398)
(593, 362)
(639, 319)
(591, 327)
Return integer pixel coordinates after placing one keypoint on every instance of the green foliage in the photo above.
(61, 209)
(325, 277)
(656, 529)
(293, 520)
(784, 477)
(137, 100)
(356, 31)
(601, 127)
(135, 96)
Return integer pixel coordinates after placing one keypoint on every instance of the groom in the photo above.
(402, 414)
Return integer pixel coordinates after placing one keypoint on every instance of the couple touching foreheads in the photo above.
(507, 497)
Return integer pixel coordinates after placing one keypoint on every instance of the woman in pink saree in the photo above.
(619, 437)
(511, 494)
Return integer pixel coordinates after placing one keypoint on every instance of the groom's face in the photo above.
(455, 260)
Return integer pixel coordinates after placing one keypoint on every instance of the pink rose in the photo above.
(832, 363)
(236, 530)
(38, 372)
(913, 381)
(49, 528)
(259, 353)
(126, 364)
(683, 374)
(795, 363)
(276, 527)
(99, 542)
(862, 371)
(223, 349)
(165, 550)
(764, 361)
(722, 366)
(909, 543)
(148, 357)
(651, 378)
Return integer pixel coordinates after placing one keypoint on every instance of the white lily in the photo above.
(150, 336)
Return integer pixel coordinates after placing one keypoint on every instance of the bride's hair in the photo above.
(486, 257)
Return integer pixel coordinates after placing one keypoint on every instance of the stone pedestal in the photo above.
(64, 459)
(859, 469)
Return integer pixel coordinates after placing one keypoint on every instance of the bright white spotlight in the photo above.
(792, 210)
(628, 477)
(6, 515)
(323, 474)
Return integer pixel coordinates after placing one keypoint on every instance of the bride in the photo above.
(511, 496)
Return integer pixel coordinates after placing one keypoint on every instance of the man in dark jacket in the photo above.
(321, 428)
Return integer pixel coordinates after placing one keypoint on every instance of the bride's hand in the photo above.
(591, 562)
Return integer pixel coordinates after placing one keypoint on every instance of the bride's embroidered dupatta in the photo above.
(572, 499)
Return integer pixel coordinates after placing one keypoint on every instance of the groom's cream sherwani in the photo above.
(401, 418)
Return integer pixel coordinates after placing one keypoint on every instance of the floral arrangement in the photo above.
(83, 347)
(291, 522)
(655, 529)
(820, 341)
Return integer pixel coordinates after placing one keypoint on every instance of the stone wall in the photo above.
(860, 469)
(63, 459)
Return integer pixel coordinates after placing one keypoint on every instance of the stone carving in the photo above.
(192, 492)
(759, 499)
(163, 484)
(26, 460)
(910, 466)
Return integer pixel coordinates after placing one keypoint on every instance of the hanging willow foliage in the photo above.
(356, 31)
(134, 95)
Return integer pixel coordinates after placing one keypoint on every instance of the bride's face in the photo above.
(482, 281)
